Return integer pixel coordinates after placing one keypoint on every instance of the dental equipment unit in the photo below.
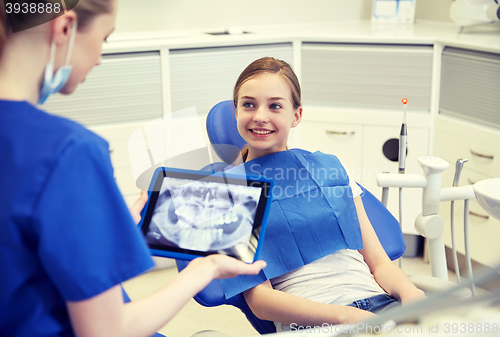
(429, 223)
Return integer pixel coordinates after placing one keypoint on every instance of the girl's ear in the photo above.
(297, 117)
(62, 26)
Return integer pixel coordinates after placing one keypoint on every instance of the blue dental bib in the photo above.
(312, 214)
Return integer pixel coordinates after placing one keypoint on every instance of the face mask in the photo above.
(52, 83)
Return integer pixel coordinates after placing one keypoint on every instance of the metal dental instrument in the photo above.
(401, 160)
(402, 140)
(458, 170)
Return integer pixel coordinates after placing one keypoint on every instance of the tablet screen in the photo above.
(192, 213)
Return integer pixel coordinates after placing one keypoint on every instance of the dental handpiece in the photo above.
(403, 141)
(458, 170)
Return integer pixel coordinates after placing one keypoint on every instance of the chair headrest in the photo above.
(223, 132)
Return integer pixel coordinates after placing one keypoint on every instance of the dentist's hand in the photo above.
(136, 209)
(222, 266)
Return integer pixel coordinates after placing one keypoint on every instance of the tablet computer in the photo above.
(197, 213)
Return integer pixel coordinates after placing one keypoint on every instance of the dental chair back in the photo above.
(222, 131)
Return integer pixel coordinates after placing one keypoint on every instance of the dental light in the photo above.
(474, 12)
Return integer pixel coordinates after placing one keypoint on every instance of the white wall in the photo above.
(433, 10)
(214, 14)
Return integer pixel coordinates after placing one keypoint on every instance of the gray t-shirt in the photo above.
(339, 278)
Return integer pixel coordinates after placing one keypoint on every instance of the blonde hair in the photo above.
(268, 65)
(86, 10)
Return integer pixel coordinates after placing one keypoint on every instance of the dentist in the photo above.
(67, 239)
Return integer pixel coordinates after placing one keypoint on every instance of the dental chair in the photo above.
(222, 131)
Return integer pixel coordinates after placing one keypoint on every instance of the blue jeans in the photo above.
(375, 304)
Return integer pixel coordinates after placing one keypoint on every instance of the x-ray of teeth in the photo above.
(204, 216)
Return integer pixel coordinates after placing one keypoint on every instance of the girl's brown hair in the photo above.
(268, 65)
(86, 10)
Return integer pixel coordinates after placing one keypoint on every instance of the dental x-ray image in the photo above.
(205, 216)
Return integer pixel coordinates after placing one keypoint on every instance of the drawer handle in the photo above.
(486, 217)
(481, 155)
(342, 133)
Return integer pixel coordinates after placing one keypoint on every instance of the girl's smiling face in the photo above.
(265, 114)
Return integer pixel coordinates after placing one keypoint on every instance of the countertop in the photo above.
(484, 38)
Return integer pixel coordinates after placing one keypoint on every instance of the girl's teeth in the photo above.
(261, 132)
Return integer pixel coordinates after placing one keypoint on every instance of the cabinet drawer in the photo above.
(342, 140)
(483, 158)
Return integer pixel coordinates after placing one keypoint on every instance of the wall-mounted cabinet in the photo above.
(125, 87)
(203, 77)
(370, 76)
(470, 82)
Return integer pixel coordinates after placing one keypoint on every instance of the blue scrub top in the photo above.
(65, 231)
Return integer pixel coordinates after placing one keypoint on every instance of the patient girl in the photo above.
(324, 258)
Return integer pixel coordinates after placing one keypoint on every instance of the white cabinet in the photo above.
(456, 139)
(343, 140)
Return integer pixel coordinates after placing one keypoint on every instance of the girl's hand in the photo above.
(136, 209)
(414, 296)
(222, 266)
(354, 315)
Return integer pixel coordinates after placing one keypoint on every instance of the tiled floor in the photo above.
(229, 320)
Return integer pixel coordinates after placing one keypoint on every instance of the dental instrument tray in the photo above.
(198, 213)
